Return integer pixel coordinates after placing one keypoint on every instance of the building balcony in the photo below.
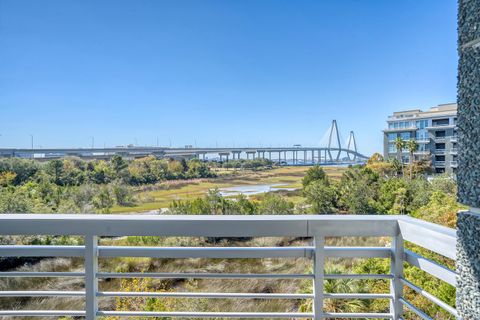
(454, 139)
(440, 139)
(439, 151)
(454, 164)
(412, 128)
(423, 141)
(454, 151)
(438, 239)
(422, 153)
(439, 164)
(440, 127)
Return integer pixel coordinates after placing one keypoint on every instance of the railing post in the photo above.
(318, 270)
(396, 269)
(91, 281)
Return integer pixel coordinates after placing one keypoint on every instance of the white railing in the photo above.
(436, 238)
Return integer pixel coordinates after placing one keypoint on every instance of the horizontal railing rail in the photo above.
(435, 238)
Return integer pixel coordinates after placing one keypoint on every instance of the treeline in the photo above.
(75, 172)
(251, 164)
(73, 185)
(383, 187)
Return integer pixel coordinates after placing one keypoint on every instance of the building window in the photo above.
(441, 122)
(421, 134)
(421, 124)
(392, 148)
(405, 135)
(392, 136)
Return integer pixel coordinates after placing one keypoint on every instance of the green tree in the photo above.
(315, 173)
(103, 201)
(118, 165)
(400, 145)
(198, 169)
(401, 201)
(445, 184)
(383, 168)
(100, 172)
(388, 194)
(175, 169)
(244, 206)
(275, 204)
(54, 168)
(321, 197)
(358, 191)
(144, 170)
(23, 169)
(72, 172)
(123, 194)
(7, 178)
(15, 200)
(412, 147)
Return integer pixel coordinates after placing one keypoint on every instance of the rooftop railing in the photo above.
(438, 239)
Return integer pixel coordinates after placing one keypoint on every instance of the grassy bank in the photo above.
(162, 195)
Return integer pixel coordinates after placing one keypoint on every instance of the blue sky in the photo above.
(250, 72)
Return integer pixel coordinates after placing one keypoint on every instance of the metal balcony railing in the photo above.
(438, 239)
(440, 164)
(423, 140)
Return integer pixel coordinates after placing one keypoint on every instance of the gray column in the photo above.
(91, 280)
(468, 174)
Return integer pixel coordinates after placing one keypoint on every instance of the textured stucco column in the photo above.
(468, 174)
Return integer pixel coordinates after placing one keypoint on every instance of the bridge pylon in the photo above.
(352, 144)
(334, 131)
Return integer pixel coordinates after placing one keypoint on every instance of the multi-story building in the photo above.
(435, 131)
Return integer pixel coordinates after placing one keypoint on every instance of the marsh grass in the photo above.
(155, 197)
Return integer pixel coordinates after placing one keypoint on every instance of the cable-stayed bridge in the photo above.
(331, 152)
